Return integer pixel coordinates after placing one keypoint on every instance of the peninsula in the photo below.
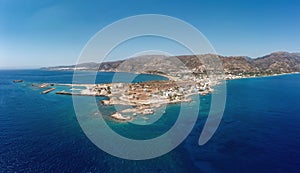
(188, 75)
(143, 97)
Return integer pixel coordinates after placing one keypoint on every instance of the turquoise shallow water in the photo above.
(260, 130)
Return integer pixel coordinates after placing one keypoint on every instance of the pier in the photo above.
(17, 81)
(48, 90)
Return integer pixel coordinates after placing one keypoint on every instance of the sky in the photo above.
(54, 32)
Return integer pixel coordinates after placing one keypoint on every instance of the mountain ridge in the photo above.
(273, 63)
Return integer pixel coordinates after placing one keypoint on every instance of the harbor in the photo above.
(143, 97)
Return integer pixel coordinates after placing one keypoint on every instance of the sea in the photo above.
(259, 131)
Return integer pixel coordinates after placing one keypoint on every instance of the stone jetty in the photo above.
(48, 90)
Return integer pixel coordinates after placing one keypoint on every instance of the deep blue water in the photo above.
(259, 132)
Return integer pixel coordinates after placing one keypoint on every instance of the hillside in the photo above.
(274, 63)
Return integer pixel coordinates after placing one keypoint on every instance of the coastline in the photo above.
(145, 97)
(194, 149)
(265, 76)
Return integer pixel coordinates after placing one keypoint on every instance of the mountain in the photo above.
(279, 62)
(274, 63)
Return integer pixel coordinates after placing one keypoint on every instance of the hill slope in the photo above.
(274, 63)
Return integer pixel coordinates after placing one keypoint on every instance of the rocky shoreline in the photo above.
(143, 97)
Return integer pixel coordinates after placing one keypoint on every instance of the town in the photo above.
(143, 97)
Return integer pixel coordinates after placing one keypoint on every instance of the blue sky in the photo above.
(53, 32)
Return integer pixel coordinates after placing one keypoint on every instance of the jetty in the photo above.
(17, 81)
(64, 93)
(48, 90)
